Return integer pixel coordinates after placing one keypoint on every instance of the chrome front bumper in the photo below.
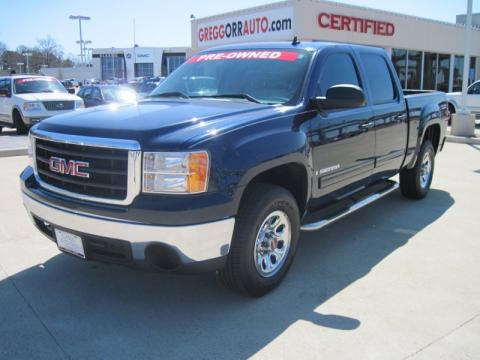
(192, 243)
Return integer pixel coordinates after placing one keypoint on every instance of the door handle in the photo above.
(367, 126)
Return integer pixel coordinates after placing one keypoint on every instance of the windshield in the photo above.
(266, 76)
(38, 85)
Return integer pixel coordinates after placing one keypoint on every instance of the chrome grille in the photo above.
(107, 170)
(59, 105)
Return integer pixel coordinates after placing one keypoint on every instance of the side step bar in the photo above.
(362, 203)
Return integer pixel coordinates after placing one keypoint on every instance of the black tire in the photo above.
(240, 272)
(22, 129)
(451, 110)
(412, 185)
(1, 128)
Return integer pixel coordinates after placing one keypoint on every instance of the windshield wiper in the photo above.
(170, 94)
(236, 96)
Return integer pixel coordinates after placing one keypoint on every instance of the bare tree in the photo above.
(49, 47)
(3, 49)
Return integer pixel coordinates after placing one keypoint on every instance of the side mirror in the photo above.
(342, 96)
(71, 91)
(4, 93)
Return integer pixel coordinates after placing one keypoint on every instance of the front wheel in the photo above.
(22, 129)
(264, 240)
(415, 183)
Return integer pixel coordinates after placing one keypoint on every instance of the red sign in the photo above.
(246, 55)
(355, 24)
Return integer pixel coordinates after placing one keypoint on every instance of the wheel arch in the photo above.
(293, 176)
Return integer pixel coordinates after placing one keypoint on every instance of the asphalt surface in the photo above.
(398, 279)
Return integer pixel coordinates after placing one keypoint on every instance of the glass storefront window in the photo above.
(443, 72)
(429, 71)
(414, 69)
(113, 67)
(458, 72)
(144, 69)
(171, 62)
(436, 71)
(399, 60)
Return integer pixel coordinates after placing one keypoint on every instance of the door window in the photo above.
(474, 89)
(337, 69)
(379, 77)
(96, 94)
(87, 94)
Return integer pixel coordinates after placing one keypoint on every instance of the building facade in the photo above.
(129, 63)
(427, 54)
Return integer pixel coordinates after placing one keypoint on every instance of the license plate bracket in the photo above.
(70, 243)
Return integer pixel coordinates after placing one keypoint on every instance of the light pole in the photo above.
(20, 64)
(85, 42)
(80, 18)
(113, 63)
(83, 54)
(463, 123)
(27, 55)
(90, 54)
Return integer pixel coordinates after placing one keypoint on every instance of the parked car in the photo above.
(144, 89)
(473, 100)
(27, 99)
(107, 94)
(67, 84)
(224, 175)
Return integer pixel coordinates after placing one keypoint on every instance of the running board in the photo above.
(362, 203)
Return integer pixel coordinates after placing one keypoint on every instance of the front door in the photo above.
(342, 140)
(390, 116)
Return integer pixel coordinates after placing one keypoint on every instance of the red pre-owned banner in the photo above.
(246, 55)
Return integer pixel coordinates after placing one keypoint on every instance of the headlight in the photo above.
(32, 105)
(175, 172)
(79, 104)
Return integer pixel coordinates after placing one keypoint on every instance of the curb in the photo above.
(463, 140)
(13, 152)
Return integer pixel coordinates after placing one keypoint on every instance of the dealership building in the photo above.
(427, 54)
(129, 63)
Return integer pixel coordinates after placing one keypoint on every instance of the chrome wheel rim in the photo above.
(272, 244)
(425, 170)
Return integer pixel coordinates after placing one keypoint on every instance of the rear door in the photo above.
(473, 98)
(390, 119)
(342, 145)
(6, 102)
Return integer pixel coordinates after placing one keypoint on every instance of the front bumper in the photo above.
(174, 248)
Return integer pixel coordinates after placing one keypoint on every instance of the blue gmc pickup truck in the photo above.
(229, 158)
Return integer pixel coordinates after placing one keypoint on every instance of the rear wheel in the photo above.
(22, 129)
(451, 110)
(415, 183)
(264, 240)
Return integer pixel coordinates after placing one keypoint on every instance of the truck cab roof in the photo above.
(307, 45)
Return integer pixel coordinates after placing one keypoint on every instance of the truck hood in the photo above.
(47, 97)
(162, 123)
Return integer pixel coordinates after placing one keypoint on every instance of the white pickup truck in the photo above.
(473, 100)
(28, 99)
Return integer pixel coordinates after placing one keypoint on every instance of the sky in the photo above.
(158, 22)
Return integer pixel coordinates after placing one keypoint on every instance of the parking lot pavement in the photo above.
(398, 279)
(12, 144)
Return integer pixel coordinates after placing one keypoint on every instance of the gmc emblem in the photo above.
(71, 167)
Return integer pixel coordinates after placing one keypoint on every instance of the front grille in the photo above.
(59, 105)
(107, 170)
